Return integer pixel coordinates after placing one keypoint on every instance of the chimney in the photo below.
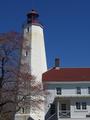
(57, 63)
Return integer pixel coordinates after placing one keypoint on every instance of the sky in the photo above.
(66, 27)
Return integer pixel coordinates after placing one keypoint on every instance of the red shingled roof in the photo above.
(67, 74)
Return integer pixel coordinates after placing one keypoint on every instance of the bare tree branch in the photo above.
(16, 85)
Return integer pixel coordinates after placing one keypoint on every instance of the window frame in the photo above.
(59, 90)
(84, 105)
(88, 90)
(78, 105)
(78, 91)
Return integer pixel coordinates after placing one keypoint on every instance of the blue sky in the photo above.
(66, 27)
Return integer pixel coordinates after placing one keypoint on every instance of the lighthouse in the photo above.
(34, 56)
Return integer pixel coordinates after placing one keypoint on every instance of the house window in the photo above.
(78, 106)
(78, 90)
(88, 90)
(52, 109)
(58, 91)
(84, 105)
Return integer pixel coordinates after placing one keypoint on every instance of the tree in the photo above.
(15, 84)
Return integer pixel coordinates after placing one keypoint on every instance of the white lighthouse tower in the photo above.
(33, 33)
(34, 57)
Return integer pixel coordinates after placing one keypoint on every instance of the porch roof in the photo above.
(66, 74)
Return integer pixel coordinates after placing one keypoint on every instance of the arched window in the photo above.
(25, 53)
(27, 29)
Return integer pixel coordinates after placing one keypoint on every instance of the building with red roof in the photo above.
(69, 93)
